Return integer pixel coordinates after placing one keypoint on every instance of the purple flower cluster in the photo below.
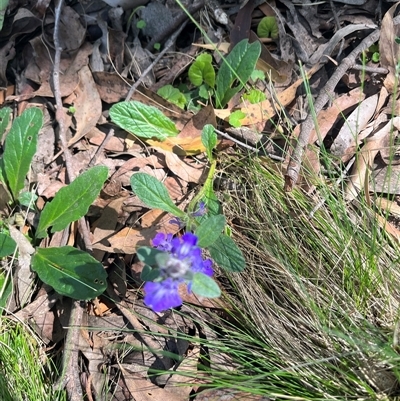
(183, 259)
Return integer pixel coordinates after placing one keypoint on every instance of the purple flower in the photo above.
(182, 261)
(162, 295)
(201, 211)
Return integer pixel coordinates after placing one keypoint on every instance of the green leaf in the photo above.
(149, 274)
(3, 8)
(205, 286)
(257, 74)
(4, 119)
(70, 272)
(202, 71)
(153, 193)
(204, 93)
(173, 95)
(227, 255)
(239, 64)
(142, 120)
(148, 255)
(20, 147)
(27, 199)
(268, 28)
(141, 24)
(375, 57)
(235, 117)
(7, 245)
(254, 96)
(72, 202)
(209, 230)
(209, 139)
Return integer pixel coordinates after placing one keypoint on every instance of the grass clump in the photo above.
(23, 373)
(318, 301)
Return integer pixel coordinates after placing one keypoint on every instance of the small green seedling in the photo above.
(268, 28)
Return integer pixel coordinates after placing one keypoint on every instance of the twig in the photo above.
(106, 139)
(70, 372)
(168, 44)
(69, 378)
(245, 145)
(292, 173)
(371, 70)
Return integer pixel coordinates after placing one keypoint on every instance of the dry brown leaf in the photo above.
(388, 206)
(71, 32)
(87, 104)
(106, 224)
(179, 146)
(176, 188)
(24, 277)
(389, 50)
(129, 239)
(350, 134)
(386, 177)
(388, 227)
(326, 118)
(114, 144)
(184, 169)
(365, 159)
(144, 390)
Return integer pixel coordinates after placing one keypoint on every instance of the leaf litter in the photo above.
(103, 53)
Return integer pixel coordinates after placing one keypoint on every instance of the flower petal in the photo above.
(163, 242)
(162, 295)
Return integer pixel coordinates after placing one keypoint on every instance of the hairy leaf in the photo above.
(72, 202)
(20, 146)
(205, 286)
(209, 230)
(209, 140)
(142, 120)
(70, 272)
(227, 255)
(153, 193)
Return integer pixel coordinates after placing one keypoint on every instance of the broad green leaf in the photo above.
(7, 245)
(20, 146)
(153, 193)
(4, 119)
(72, 202)
(209, 230)
(268, 28)
(209, 140)
(205, 286)
(238, 65)
(3, 8)
(202, 71)
(70, 272)
(235, 117)
(148, 255)
(142, 120)
(6, 287)
(227, 255)
(173, 95)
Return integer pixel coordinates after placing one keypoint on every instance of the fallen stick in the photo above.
(293, 169)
